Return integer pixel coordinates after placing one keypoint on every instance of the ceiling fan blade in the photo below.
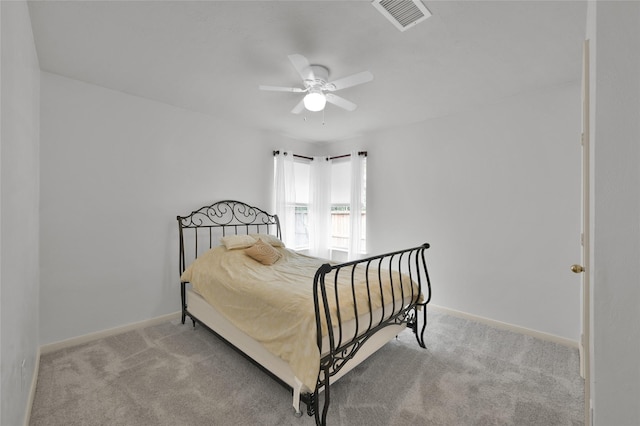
(299, 107)
(352, 80)
(281, 89)
(301, 64)
(341, 102)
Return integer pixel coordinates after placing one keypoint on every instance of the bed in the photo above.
(305, 321)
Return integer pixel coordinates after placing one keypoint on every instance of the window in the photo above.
(301, 170)
(340, 207)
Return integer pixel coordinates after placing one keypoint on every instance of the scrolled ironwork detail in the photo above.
(342, 355)
(225, 213)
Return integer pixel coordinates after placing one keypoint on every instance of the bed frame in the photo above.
(346, 344)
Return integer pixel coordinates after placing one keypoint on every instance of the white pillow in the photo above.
(269, 239)
(232, 242)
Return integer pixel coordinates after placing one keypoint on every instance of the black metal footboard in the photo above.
(396, 286)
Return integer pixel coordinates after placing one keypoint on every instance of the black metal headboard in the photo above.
(222, 218)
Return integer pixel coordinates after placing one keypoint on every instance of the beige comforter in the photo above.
(274, 304)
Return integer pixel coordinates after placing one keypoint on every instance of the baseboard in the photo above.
(515, 328)
(583, 373)
(32, 389)
(74, 341)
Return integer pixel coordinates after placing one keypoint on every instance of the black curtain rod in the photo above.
(330, 158)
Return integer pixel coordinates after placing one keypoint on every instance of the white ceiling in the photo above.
(210, 56)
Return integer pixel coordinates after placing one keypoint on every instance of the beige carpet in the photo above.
(171, 374)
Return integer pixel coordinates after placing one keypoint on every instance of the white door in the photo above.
(583, 268)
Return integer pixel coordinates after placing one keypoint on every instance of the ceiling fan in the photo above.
(317, 86)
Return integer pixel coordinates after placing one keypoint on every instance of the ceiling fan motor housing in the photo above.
(316, 75)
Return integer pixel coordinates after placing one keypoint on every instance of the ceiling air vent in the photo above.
(402, 13)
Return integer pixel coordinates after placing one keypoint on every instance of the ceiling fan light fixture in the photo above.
(315, 100)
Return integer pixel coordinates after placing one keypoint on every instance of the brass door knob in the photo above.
(576, 269)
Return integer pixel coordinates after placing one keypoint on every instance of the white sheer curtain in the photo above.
(320, 207)
(285, 196)
(357, 204)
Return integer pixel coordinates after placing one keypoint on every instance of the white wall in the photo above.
(614, 31)
(496, 192)
(18, 210)
(115, 171)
